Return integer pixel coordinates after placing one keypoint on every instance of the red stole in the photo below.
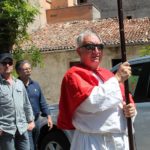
(76, 86)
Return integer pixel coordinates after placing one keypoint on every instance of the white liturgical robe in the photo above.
(99, 120)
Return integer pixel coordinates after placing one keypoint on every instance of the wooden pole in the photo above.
(123, 55)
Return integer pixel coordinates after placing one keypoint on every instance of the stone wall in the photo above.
(134, 8)
(40, 19)
(83, 12)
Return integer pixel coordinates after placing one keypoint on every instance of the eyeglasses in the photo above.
(91, 47)
(26, 69)
(10, 63)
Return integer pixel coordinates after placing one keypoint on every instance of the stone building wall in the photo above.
(40, 19)
(133, 8)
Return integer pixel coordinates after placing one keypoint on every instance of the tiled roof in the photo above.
(61, 36)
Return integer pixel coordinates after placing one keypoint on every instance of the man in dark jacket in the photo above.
(36, 97)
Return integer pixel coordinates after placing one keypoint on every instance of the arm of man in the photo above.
(123, 73)
(49, 122)
(108, 95)
(44, 109)
(129, 110)
(28, 111)
(31, 126)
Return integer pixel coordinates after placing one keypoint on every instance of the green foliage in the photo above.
(15, 16)
(36, 57)
(145, 51)
(32, 54)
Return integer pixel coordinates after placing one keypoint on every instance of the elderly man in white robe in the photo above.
(93, 102)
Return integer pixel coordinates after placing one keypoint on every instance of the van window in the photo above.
(140, 82)
(133, 83)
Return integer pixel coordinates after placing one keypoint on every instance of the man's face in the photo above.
(25, 70)
(6, 67)
(91, 51)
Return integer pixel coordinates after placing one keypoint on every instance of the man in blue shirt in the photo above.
(37, 100)
(16, 115)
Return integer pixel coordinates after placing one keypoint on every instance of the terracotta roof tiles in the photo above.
(61, 36)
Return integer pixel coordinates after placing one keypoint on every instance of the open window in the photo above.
(115, 62)
(139, 83)
(74, 63)
(81, 1)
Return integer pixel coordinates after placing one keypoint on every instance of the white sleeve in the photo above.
(102, 97)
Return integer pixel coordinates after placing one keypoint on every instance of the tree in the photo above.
(15, 16)
(32, 54)
(145, 50)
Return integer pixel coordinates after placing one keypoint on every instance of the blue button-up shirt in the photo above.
(37, 99)
(15, 107)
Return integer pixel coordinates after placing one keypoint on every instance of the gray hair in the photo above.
(21, 62)
(80, 38)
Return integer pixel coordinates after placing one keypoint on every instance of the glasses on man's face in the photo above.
(91, 47)
(4, 63)
(26, 69)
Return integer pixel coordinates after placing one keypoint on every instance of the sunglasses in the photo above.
(10, 63)
(91, 47)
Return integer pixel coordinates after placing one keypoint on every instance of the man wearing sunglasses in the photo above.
(92, 100)
(16, 115)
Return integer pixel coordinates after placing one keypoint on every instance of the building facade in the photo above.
(58, 47)
(52, 11)
(40, 20)
(132, 8)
